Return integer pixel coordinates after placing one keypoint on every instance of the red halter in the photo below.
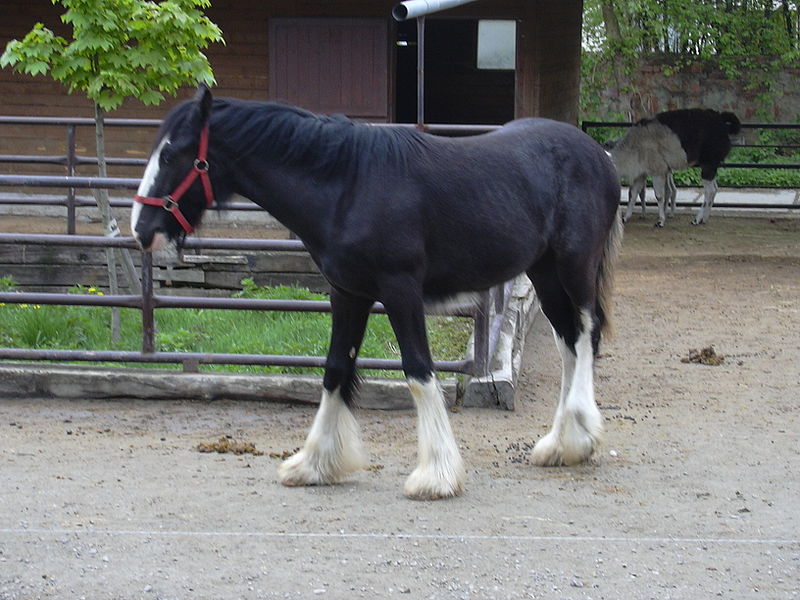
(200, 169)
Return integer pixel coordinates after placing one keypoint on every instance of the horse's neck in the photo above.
(292, 194)
(292, 197)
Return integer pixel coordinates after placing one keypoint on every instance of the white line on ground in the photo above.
(407, 536)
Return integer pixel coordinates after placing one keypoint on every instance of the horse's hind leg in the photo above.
(672, 193)
(440, 470)
(333, 446)
(636, 187)
(662, 197)
(577, 424)
(643, 201)
(710, 187)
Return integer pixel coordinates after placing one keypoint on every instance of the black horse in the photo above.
(398, 216)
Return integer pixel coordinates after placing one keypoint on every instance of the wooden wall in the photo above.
(547, 77)
(549, 53)
(57, 269)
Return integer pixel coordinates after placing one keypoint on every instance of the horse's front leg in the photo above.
(440, 470)
(333, 447)
(643, 201)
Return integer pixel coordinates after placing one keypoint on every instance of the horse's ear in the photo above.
(204, 99)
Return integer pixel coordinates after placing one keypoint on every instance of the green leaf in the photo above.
(151, 97)
(38, 67)
(121, 48)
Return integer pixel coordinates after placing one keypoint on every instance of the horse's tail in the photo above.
(605, 276)
(731, 122)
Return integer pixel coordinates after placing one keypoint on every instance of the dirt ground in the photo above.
(694, 493)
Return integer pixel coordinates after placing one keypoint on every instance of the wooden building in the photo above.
(333, 56)
(350, 56)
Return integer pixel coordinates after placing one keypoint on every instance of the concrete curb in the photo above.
(92, 383)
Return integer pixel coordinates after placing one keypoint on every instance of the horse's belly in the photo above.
(474, 273)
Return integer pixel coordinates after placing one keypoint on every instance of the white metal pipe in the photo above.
(418, 8)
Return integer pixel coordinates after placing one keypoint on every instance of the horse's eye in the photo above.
(166, 156)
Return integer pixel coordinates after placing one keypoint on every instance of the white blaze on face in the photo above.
(148, 179)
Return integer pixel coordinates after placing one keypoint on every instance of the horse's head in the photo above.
(176, 187)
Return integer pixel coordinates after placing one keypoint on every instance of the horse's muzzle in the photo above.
(153, 241)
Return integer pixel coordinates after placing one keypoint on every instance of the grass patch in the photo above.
(216, 331)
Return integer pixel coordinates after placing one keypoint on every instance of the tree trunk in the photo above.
(611, 22)
(111, 228)
(615, 44)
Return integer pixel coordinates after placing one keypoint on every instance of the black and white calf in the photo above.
(673, 141)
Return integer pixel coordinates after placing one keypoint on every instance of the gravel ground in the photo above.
(694, 493)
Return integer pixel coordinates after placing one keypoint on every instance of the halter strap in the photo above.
(200, 169)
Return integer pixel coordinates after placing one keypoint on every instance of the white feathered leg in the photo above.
(440, 470)
(672, 194)
(332, 449)
(635, 187)
(578, 424)
(547, 451)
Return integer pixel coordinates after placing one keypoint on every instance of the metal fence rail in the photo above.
(488, 314)
(71, 160)
(148, 302)
(587, 125)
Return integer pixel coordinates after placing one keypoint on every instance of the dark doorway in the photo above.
(456, 90)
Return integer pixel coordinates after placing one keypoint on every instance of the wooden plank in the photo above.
(57, 255)
(179, 275)
(65, 276)
(289, 262)
(314, 282)
(215, 259)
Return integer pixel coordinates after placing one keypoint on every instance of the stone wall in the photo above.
(705, 86)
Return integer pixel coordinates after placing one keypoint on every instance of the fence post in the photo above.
(71, 162)
(483, 315)
(148, 305)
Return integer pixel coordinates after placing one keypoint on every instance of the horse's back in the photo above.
(495, 203)
(523, 175)
(574, 161)
(649, 147)
(703, 133)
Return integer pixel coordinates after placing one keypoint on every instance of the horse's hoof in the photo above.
(299, 469)
(548, 451)
(659, 224)
(696, 222)
(306, 468)
(624, 220)
(572, 444)
(426, 483)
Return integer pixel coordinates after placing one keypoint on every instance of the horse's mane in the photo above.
(288, 135)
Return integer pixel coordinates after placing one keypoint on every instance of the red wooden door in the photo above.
(331, 65)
